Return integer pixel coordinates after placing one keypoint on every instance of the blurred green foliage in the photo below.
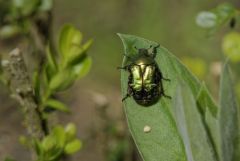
(217, 17)
(63, 66)
(59, 142)
(63, 69)
(16, 15)
(231, 46)
(196, 65)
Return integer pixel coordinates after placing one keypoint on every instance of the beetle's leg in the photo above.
(166, 79)
(154, 52)
(163, 78)
(131, 59)
(162, 91)
(124, 68)
(129, 94)
(169, 97)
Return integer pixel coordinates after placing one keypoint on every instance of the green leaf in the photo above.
(26, 7)
(231, 46)
(191, 127)
(37, 147)
(71, 131)
(57, 105)
(62, 80)
(65, 78)
(52, 150)
(46, 5)
(59, 134)
(164, 141)
(209, 110)
(205, 101)
(72, 51)
(217, 17)
(48, 143)
(77, 59)
(228, 118)
(37, 85)
(224, 12)
(81, 69)
(70, 41)
(73, 146)
(51, 61)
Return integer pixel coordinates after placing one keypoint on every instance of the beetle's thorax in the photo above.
(144, 60)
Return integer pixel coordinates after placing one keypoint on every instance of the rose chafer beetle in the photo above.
(145, 78)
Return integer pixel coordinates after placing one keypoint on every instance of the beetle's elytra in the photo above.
(145, 78)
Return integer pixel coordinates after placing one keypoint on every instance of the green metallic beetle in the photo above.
(145, 78)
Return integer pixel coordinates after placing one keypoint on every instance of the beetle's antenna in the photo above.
(127, 56)
(149, 47)
(131, 59)
(154, 52)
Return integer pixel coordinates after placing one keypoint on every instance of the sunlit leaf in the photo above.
(81, 69)
(48, 143)
(73, 146)
(77, 59)
(59, 134)
(71, 131)
(231, 46)
(70, 41)
(62, 80)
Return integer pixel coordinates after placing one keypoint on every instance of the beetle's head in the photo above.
(143, 51)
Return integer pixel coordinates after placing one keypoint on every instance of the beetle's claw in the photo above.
(169, 97)
(120, 68)
(123, 99)
(166, 79)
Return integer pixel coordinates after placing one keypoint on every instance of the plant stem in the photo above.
(20, 85)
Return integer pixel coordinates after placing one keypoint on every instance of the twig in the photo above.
(22, 90)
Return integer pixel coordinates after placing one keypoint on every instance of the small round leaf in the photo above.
(73, 146)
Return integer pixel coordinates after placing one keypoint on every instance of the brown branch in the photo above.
(22, 90)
